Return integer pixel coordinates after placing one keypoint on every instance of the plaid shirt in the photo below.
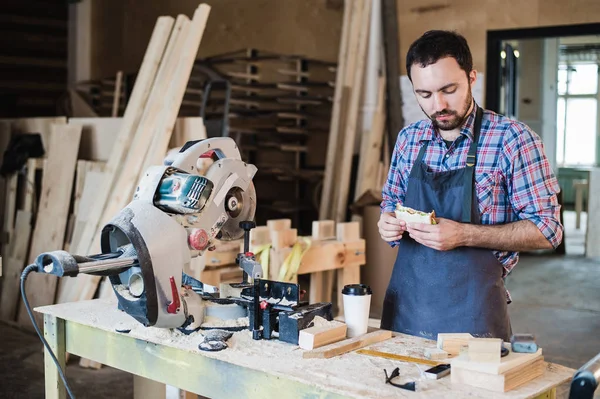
(514, 180)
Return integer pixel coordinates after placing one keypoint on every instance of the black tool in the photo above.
(437, 372)
(410, 386)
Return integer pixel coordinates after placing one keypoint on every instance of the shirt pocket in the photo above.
(491, 194)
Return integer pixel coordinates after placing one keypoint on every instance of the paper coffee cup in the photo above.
(357, 302)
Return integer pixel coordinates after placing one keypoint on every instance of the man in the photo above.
(491, 187)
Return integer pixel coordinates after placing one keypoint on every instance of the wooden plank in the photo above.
(98, 138)
(329, 255)
(499, 382)
(347, 345)
(85, 284)
(370, 151)
(131, 119)
(127, 178)
(43, 126)
(336, 114)
(284, 238)
(51, 220)
(453, 342)
(117, 95)
(507, 363)
(391, 48)
(343, 181)
(322, 334)
(485, 350)
(184, 59)
(14, 261)
(323, 229)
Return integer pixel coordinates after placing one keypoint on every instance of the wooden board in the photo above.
(347, 345)
(98, 137)
(14, 262)
(507, 363)
(51, 221)
(321, 335)
(43, 126)
(500, 382)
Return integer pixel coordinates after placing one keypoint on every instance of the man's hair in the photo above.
(437, 44)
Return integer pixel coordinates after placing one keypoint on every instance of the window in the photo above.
(577, 113)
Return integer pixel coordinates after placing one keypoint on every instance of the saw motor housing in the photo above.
(175, 215)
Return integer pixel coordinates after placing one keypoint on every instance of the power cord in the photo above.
(29, 269)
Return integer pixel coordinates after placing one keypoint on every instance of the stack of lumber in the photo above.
(481, 366)
(91, 167)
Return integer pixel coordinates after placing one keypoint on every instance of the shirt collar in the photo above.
(466, 130)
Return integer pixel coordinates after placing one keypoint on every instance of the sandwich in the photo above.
(410, 215)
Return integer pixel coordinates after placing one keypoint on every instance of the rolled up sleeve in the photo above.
(532, 184)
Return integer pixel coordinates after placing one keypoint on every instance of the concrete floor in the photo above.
(554, 297)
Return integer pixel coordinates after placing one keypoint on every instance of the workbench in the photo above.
(248, 368)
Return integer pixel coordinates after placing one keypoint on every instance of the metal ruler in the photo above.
(401, 358)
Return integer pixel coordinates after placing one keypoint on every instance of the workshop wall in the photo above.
(474, 18)
(121, 29)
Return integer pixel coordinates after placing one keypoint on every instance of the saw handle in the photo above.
(219, 147)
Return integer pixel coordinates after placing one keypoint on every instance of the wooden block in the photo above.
(507, 363)
(279, 224)
(349, 231)
(323, 229)
(499, 382)
(320, 335)
(435, 354)
(284, 238)
(485, 349)
(452, 342)
(260, 235)
(348, 345)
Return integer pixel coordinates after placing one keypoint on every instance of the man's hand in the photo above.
(443, 236)
(390, 228)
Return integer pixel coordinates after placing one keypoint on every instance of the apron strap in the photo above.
(415, 168)
(470, 169)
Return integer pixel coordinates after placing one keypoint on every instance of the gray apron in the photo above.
(460, 290)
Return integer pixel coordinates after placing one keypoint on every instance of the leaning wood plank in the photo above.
(348, 345)
(332, 144)
(125, 182)
(185, 63)
(43, 126)
(353, 112)
(114, 166)
(51, 221)
(13, 263)
(133, 114)
(370, 150)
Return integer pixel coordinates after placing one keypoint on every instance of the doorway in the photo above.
(548, 79)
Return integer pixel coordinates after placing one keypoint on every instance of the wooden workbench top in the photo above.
(351, 375)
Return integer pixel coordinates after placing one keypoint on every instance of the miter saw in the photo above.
(176, 214)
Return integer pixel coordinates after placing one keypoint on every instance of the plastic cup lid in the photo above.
(356, 289)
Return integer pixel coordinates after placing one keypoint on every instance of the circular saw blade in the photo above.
(244, 210)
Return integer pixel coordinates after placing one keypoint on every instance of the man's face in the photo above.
(443, 92)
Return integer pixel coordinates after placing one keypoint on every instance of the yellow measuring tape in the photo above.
(291, 264)
(262, 255)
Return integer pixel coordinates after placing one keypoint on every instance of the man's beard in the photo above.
(457, 118)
